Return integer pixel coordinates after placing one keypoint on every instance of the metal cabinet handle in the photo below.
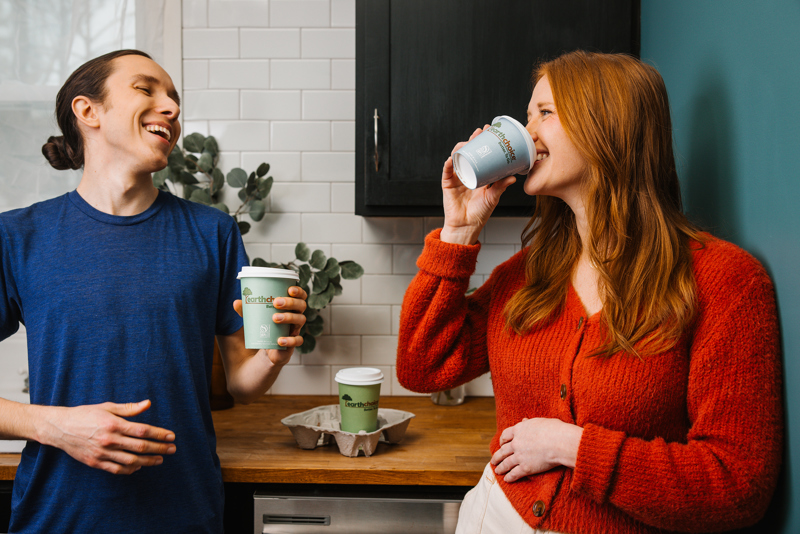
(376, 138)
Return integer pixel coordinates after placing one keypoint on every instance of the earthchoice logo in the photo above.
(250, 299)
(505, 143)
(348, 401)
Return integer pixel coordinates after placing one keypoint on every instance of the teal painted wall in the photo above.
(732, 69)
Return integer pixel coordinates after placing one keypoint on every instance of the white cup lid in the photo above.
(267, 272)
(359, 376)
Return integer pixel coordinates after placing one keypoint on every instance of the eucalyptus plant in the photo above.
(193, 170)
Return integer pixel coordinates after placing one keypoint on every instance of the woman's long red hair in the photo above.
(615, 110)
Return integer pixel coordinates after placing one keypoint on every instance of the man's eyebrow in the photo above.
(173, 94)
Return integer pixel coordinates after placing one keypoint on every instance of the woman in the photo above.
(634, 358)
(122, 290)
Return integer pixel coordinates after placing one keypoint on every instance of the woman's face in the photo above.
(139, 118)
(559, 169)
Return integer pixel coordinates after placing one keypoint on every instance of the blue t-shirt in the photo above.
(121, 309)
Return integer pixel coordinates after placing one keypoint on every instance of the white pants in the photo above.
(486, 510)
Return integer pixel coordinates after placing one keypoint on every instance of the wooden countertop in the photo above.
(443, 446)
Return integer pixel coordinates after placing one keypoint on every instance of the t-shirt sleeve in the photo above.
(10, 311)
(233, 258)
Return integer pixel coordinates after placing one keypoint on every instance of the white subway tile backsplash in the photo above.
(504, 230)
(238, 74)
(211, 104)
(393, 230)
(238, 13)
(329, 166)
(275, 228)
(300, 197)
(297, 13)
(329, 43)
(303, 380)
(210, 43)
(405, 259)
(329, 105)
(360, 320)
(343, 198)
(301, 74)
(285, 252)
(283, 166)
(271, 105)
(343, 136)
(335, 350)
(384, 288)
(396, 319)
(491, 256)
(343, 13)
(481, 386)
(258, 250)
(378, 350)
(331, 228)
(244, 135)
(343, 74)
(375, 259)
(188, 127)
(299, 136)
(195, 74)
(13, 359)
(271, 43)
(195, 14)
(351, 291)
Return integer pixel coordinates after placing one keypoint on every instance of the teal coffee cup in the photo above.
(503, 149)
(359, 394)
(260, 287)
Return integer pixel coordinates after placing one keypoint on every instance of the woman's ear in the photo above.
(86, 111)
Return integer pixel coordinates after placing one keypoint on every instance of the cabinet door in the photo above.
(432, 71)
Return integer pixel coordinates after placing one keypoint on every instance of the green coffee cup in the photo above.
(359, 393)
(260, 287)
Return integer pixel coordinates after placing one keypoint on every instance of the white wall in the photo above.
(274, 81)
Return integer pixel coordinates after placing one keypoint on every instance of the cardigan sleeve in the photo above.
(723, 476)
(442, 337)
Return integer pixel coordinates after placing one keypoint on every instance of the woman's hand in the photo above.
(98, 435)
(466, 211)
(294, 305)
(534, 446)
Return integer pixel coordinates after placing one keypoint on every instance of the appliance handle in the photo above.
(376, 138)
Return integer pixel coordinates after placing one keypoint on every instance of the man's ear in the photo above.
(86, 111)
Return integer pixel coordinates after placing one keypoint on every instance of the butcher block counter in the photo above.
(443, 446)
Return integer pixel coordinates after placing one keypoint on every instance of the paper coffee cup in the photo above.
(260, 287)
(505, 148)
(359, 393)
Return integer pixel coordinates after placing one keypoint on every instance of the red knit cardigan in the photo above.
(687, 440)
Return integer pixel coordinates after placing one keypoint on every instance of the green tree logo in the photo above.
(346, 397)
(498, 124)
(247, 292)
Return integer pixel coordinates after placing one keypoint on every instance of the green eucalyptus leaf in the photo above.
(188, 178)
(201, 196)
(257, 210)
(244, 227)
(176, 159)
(351, 270)
(311, 314)
(237, 177)
(251, 183)
(315, 328)
(309, 342)
(262, 170)
(217, 180)
(210, 146)
(302, 252)
(194, 142)
(318, 259)
(258, 262)
(205, 162)
(221, 207)
(337, 288)
(305, 275)
(242, 195)
(264, 187)
(188, 190)
(320, 300)
(332, 268)
(190, 157)
(320, 282)
(160, 177)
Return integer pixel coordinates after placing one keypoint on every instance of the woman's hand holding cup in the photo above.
(466, 211)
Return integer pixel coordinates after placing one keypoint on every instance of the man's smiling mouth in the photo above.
(160, 131)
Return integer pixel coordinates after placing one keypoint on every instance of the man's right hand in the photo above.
(99, 436)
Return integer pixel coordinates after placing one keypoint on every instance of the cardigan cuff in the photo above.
(598, 454)
(447, 260)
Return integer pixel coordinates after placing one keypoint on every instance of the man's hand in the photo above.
(99, 436)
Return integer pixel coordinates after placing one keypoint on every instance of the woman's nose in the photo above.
(531, 127)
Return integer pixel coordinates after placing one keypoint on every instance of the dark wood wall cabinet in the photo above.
(428, 72)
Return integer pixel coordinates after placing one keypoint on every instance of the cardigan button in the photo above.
(538, 508)
(563, 391)
(580, 322)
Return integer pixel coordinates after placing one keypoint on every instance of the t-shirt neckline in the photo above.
(118, 220)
